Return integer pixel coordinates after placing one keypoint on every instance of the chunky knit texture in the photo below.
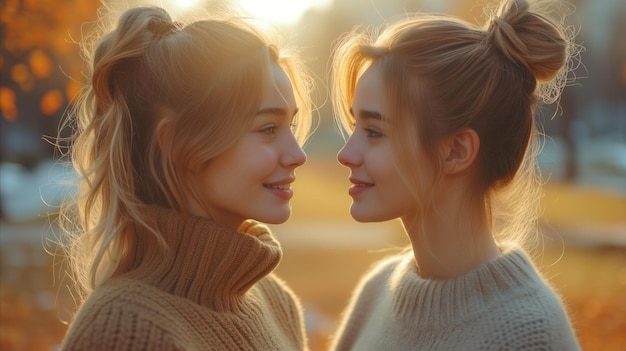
(211, 290)
(501, 305)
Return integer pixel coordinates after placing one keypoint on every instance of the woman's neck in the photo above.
(453, 239)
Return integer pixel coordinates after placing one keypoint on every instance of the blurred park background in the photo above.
(584, 162)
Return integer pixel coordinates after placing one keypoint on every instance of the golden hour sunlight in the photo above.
(314, 175)
(280, 11)
(185, 4)
(180, 7)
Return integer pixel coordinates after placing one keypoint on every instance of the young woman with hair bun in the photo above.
(442, 136)
(187, 135)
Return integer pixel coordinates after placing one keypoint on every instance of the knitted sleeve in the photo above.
(116, 325)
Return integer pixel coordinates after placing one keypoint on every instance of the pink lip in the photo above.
(358, 186)
(285, 194)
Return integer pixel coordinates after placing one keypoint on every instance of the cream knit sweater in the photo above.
(501, 305)
(212, 290)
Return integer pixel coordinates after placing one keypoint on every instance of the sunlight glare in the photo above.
(184, 4)
(279, 11)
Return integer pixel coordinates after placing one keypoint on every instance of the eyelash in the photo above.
(372, 133)
(270, 130)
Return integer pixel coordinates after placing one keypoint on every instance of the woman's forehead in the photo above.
(369, 93)
(278, 92)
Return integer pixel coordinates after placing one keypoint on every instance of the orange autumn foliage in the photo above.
(39, 46)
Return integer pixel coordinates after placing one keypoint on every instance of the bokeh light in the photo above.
(51, 102)
(40, 64)
(7, 104)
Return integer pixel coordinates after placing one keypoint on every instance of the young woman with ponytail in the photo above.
(442, 136)
(186, 135)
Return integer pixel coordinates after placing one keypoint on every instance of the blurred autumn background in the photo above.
(583, 251)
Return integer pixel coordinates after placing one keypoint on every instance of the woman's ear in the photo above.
(163, 134)
(460, 151)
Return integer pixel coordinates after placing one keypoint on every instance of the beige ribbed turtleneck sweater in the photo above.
(212, 290)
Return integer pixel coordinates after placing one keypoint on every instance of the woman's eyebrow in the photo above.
(367, 114)
(278, 111)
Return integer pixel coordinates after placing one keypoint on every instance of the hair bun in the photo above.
(506, 40)
(530, 37)
(162, 27)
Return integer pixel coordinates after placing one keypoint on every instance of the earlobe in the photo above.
(461, 150)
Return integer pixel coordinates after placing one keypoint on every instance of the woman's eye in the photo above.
(271, 130)
(371, 133)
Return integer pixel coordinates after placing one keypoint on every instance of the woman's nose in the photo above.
(347, 155)
(294, 155)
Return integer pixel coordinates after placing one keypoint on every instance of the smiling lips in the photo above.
(358, 186)
(282, 189)
(279, 186)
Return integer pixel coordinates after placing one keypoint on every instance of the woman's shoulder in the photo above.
(121, 311)
(383, 268)
(534, 302)
(532, 314)
(376, 279)
(534, 318)
(121, 289)
(120, 295)
(275, 290)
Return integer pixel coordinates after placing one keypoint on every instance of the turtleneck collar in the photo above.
(207, 263)
(434, 303)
